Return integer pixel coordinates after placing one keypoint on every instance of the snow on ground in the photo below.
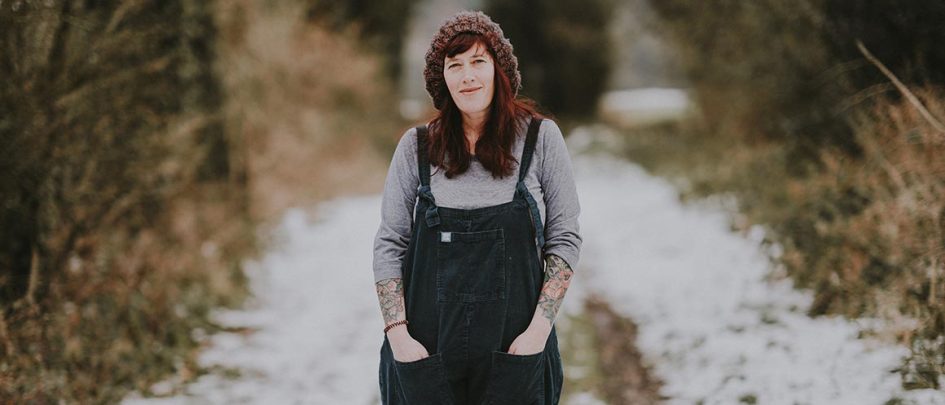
(646, 99)
(320, 323)
(713, 329)
(644, 106)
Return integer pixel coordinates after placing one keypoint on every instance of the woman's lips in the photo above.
(470, 91)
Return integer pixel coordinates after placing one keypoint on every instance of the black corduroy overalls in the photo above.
(472, 278)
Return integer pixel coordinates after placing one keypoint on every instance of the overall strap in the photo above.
(530, 140)
(423, 165)
(423, 168)
(521, 190)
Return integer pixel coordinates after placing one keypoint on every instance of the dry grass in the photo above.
(114, 172)
(901, 226)
(142, 172)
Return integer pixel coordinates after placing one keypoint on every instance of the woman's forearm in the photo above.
(390, 294)
(557, 279)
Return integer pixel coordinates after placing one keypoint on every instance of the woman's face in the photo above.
(469, 76)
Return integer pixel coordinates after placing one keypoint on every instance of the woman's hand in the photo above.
(404, 347)
(390, 294)
(557, 279)
(532, 340)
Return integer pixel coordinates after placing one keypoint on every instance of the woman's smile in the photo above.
(470, 91)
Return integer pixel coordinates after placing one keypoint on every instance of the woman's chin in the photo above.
(470, 109)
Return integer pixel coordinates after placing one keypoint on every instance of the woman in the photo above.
(468, 307)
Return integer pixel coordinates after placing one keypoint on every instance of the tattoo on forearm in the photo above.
(390, 293)
(557, 279)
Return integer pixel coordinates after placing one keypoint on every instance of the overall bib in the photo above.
(471, 280)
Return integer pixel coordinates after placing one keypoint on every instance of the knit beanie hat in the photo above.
(475, 22)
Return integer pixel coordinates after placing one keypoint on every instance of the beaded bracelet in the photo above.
(402, 321)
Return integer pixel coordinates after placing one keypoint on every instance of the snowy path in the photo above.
(713, 329)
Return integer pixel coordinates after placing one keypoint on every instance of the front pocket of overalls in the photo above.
(424, 381)
(470, 266)
(515, 379)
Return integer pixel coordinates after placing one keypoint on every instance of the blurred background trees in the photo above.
(565, 52)
(792, 70)
(380, 26)
(906, 38)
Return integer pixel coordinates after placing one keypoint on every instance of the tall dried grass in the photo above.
(893, 259)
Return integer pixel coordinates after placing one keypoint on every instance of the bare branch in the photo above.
(902, 88)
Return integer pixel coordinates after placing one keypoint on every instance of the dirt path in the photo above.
(627, 380)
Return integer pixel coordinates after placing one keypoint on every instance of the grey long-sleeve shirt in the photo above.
(549, 179)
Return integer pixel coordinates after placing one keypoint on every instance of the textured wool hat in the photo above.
(475, 22)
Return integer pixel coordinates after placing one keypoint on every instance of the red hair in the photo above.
(494, 147)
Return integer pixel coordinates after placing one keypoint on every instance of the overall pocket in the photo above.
(424, 381)
(515, 379)
(470, 266)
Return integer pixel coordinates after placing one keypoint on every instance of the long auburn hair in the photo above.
(446, 146)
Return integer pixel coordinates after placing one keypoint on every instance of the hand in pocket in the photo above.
(531, 341)
(405, 348)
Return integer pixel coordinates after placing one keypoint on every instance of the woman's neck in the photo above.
(472, 128)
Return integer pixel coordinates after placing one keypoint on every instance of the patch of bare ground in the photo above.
(625, 377)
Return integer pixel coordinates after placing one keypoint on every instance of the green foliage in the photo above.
(563, 48)
(748, 399)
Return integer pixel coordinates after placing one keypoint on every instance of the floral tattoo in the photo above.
(557, 279)
(390, 293)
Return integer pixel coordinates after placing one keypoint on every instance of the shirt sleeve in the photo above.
(397, 206)
(562, 208)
